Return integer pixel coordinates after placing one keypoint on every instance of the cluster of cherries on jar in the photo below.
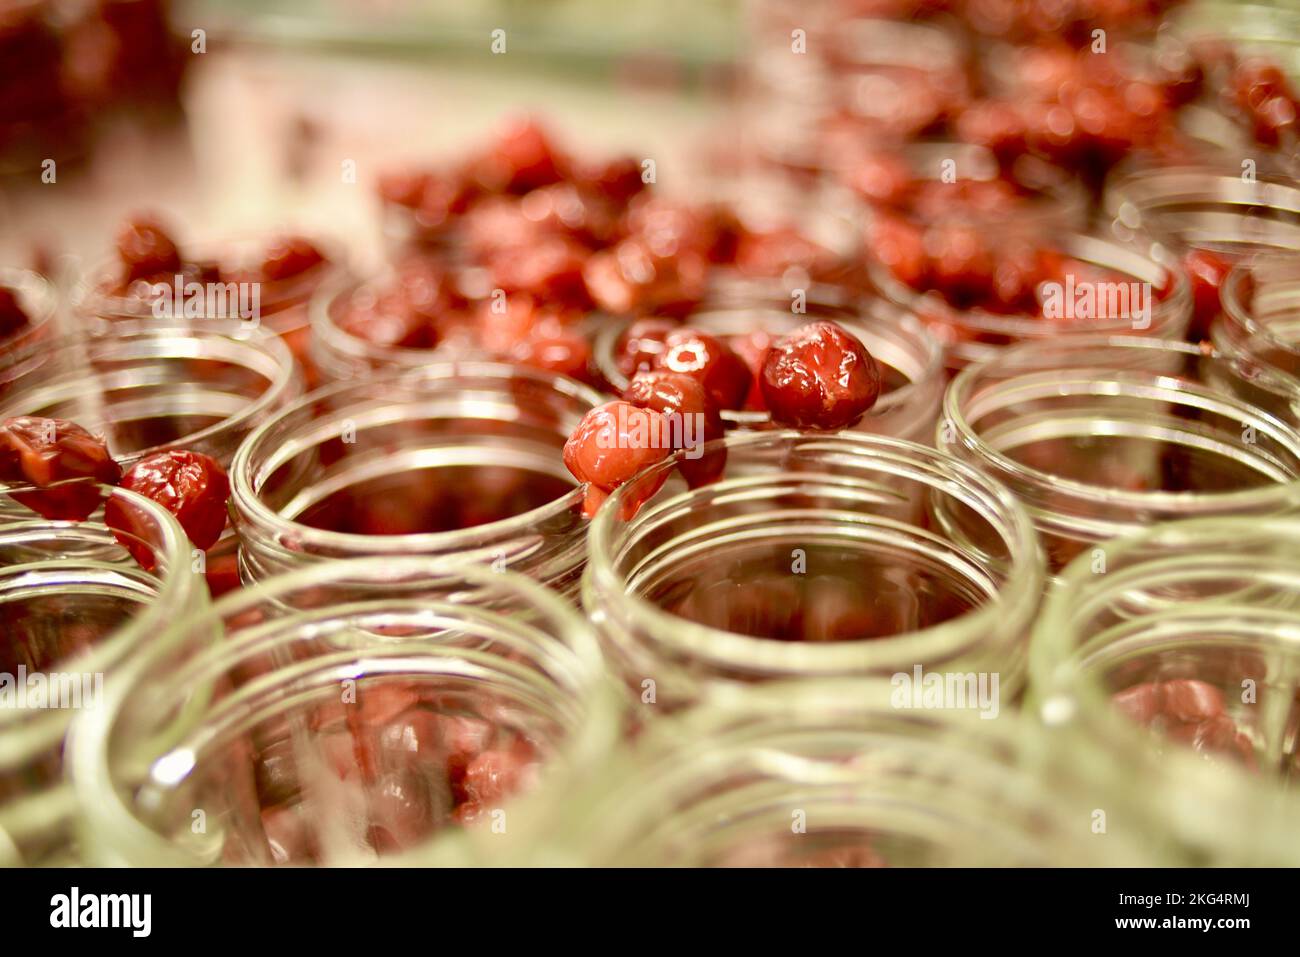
(148, 256)
(818, 377)
(61, 462)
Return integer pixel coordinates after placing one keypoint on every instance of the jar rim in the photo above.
(969, 438)
(246, 480)
(177, 591)
(263, 351)
(1012, 605)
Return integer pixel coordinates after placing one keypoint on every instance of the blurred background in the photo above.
(254, 132)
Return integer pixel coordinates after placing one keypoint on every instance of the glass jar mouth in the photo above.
(891, 334)
(1008, 604)
(1143, 262)
(714, 780)
(964, 404)
(93, 296)
(1208, 207)
(1145, 603)
(132, 353)
(94, 568)
(330, 339)
(265, 450)
(1259, 297)
(454, 599)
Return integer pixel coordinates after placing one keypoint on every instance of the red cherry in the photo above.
(617, 180)
(819, 377)
(564, 352)
(1207, 271)
(288, 257)
(12, 316)
(899, 246)
(961, 263)
(614, 442)
(403, 187)
(521, 159)
(723, 374)
(640, 343)
(683, 399)
(752, 348)
(551, 270)
(994, 124)
(493, 776)
(40, 452)
(632, 276)
(190, 485)
(146, 250)
(880, 178)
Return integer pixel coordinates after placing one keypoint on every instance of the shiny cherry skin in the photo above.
(146, 250)
(711, 361)
(289, 256)
(678, 394)
(819, 377)
(1207, 271)
(13, 318)
(190, 485)
(38, 451)
(642, 341)
(614, 442)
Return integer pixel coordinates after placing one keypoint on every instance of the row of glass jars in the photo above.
(1096, 439)
(955, 554)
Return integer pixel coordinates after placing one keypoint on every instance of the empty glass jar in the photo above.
(1102, 437)
(341, 713)
(813, 556)
(458, 458)
(1168, 675)
(830, 774)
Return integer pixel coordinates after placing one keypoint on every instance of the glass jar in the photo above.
(282, 305)
(877, 81)
(830, 774)
(1101, 437)
(341, 713)
(911, 361)
(20, 352)
(1145, 268)
(74, 605)
(813, 556)
(147, 387)
(1168, 677)
(1261, 309)
(1205, 207)
(338, 354)
(457, 458)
